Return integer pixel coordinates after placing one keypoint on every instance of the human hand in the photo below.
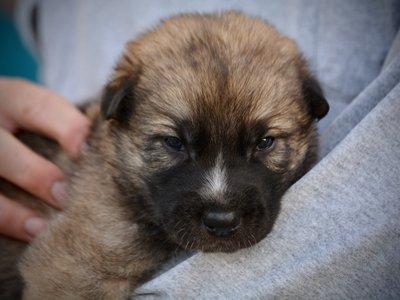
(31, 107)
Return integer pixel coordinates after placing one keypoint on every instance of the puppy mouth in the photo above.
(202, 240)
(220, 231)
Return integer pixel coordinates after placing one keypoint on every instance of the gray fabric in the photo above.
(361, 106)
(393, 52)
(338, 235)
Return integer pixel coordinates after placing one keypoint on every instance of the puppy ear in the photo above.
(118, 103)
(314, 97)
(120, 94)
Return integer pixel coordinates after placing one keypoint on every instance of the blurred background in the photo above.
(15, 59)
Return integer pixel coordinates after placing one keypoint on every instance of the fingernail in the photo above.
(84, 149)
(58, 192)
(35, 225)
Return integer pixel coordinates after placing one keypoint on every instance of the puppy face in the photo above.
(212, 118)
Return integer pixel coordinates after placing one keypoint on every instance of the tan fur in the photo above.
(232, 70)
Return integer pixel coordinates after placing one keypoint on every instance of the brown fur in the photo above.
(228, 72)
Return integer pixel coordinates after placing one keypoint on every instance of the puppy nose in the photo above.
(221, 223)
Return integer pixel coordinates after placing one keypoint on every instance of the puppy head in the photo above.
(213, 118)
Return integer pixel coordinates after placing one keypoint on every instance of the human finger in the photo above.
(30, 171)
(18, 221)
(38, 109)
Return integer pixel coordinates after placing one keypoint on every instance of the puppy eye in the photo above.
(174, 143)
(265, 143)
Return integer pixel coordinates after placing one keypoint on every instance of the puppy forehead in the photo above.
(232, 103)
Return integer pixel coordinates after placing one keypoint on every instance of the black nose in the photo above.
(221, 223)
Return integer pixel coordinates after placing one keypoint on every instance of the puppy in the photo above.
(206, 122)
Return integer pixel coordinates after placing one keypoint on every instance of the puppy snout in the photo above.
(221, 224)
